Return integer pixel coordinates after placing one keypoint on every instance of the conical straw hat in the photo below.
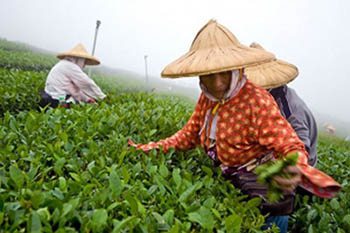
(215, 49)
(271, 74)
(80, 51)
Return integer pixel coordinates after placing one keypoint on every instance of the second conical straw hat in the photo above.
(271, 74)
(215, 49)
(80, 51)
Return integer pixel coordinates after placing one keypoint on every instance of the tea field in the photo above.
(70, 170)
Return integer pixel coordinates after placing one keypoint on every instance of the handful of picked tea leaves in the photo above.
(267, 171)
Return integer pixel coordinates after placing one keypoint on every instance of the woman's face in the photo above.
(217, 84)
(81, 62)
(77, 60)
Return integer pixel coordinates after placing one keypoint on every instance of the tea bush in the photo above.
(69, 170)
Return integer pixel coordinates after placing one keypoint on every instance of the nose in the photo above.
(218, 81)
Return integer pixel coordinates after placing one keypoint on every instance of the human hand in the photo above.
(281, 176)
(91, 101)
(144, 148)
(131, 143)
(290, 179)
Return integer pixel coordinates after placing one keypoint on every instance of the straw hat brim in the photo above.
(272, 74)
(89, 60)
(215, 60)
(215, 49)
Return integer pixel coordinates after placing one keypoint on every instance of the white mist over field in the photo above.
(314, 35)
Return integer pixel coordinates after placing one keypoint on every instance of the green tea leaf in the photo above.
(62, 184)
(1, 218)
(17, 176)
(204, 217)
(35, 223)
(310, 229)
(163, 170)
(99, 218)
(44, 214)
(133, 204)
(127, 222)
(176, 177)
(37, 199)
(158, 217)
(334, 204)
(273, 168)
(191, 190)
(233, 223)
(67, 208)
(57, 193)
(169, 216)
(75, 176)
(346, 220)
(115, 184)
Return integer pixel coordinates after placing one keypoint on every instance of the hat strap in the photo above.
(241, 72)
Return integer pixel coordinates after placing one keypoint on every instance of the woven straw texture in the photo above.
(215, 49)
(271, 74)
(80, 51)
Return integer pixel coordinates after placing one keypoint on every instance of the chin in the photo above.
(218, 96)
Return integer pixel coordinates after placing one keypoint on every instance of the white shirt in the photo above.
(67, 78)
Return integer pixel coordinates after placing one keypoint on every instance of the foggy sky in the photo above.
(314, 35)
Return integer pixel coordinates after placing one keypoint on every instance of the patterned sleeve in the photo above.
(184, 139)
(276, 134)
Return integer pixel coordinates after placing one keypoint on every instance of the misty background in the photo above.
(314, 35)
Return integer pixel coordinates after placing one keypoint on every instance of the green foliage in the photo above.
(26, 60)
(314, 214)
(267, 171)
(70, 170)
(13, 46)
(20, 56)
(19, 90)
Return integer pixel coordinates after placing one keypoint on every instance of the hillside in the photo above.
(27, 57)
